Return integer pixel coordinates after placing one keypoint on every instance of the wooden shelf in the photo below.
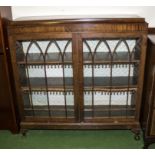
(98, 110)
(54, 110)
(109, 63)
(98, 81)
(54, 58)
(37, 58)
(106, 57)
(86, 107)
(70, 89)
(108, 111)
(105, 81)
(50, 89)
(113, 88)
(100, 84)
(52, 82)
(106, 107)
(47, 63)
(51, 107)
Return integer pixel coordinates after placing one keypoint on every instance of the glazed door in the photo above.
(78, 77)
(44, 66)
(111, 75)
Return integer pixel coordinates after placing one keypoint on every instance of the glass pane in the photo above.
(120, 104)
(46, 75)
(110, 68)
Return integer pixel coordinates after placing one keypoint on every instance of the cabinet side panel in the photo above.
(148, 92)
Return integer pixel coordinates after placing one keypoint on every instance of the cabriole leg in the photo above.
(136, 134)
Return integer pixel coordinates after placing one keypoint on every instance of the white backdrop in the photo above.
(147, 12)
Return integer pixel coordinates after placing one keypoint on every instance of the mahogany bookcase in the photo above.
(78, 72)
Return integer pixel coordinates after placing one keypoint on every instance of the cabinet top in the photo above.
(91, 23)
(78, 19)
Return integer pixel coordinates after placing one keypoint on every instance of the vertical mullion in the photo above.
(46, 85)
(80, 76)
(110, 84)
(30, 89)
(92, 86)
(29, 83)
(77, 54)
(64, 85)
(128, 85)
(127, 99)
(92, 78)
(64, 81)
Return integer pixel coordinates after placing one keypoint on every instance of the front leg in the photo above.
(136, 133)
(24, 132)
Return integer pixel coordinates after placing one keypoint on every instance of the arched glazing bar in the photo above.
(111, 60)
(34, 42)
(92, 86)
(24, 73)
(62, 54)
(132, 57)
(129, 67)
(135, 55)
(64, 82)
(93, 55)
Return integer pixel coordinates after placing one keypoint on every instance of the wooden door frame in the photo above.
(143, 37)
(44, 36)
